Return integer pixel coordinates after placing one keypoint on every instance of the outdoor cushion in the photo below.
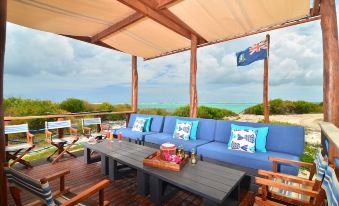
(257, 160)
(156, 123)
(243, 139)
(182, 130)
(139, 124)
(205, 129)
(160, 138)
(281, 138)
(127, 132)
(16, 147)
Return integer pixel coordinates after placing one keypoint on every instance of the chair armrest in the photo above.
(56, 175)
(87, 128)
(73, 130)
(278, 160)
(87, 193)
(291, 188)
(291, 178)
(30, 138)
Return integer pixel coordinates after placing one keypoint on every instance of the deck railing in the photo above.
(330, 142)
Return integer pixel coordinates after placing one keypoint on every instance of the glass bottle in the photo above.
(182, 152)
(193, 156)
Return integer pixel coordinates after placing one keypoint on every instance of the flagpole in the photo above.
(265, 86)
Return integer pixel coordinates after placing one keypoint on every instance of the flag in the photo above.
(251, 54)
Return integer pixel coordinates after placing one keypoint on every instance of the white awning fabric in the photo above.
(213, 20)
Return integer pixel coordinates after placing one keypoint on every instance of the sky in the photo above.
(41, 65)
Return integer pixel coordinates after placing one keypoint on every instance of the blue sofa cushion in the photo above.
(160, 138)
(127, 132)
(205, 129)
(259, 160)
(279, 138)
(156, 123)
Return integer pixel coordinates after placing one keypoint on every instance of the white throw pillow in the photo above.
(182, 130)
(243, 140)
(139, 125)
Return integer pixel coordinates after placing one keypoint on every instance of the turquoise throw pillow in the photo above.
(195, 124)
(260, 141)
(147, 127)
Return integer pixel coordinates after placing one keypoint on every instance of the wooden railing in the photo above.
(330, 141)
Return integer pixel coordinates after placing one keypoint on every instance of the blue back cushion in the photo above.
(280, 138)
(205, 130)
(156, 122)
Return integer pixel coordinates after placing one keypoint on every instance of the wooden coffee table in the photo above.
(216, 184)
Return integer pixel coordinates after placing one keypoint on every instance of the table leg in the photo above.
(156, 188)
(87, 156)
(207, 202)
(112, 169)
(143, 183)
(104, 164)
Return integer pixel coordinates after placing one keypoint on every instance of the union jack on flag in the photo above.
(251, 54)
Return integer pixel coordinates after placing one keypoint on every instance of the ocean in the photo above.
(235, 107)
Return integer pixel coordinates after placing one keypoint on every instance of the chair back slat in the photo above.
(331, 187)
(321, 166)
(11, 129)
(91, 121)
(58, 124)
(26, 183)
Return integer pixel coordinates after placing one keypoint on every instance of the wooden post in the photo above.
(134, 84)
(193, 77)
(3, 182)
(265, 85)
(330, 61)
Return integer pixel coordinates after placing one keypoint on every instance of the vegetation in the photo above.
(279, 122)
(206, 112)
(278, 106)
(73, 105)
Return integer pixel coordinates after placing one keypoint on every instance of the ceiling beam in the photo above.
(156, 16)
(117, 26)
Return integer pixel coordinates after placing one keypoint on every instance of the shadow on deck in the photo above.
(120, 192)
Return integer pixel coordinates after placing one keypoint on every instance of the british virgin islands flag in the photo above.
(251, 54)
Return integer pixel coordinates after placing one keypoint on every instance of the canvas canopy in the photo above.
(149, 28)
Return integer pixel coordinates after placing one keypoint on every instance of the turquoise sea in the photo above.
(235, 107)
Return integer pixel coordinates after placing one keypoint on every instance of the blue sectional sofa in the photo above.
(213, 135)
(156, 127)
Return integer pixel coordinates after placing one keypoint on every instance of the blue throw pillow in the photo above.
(147, 127)
(182, 130)
(260, 142)
(193, 134)
(243, 140)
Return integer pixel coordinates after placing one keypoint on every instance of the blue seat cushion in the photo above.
(258, 160)
(128, 133)
(160, 138)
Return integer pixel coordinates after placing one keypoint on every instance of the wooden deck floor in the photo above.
(120, 192)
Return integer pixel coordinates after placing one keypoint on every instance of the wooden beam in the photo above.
(156, 16)
(88, 40)
(330, 61)
(265, 84)
(3, 182)
(279, 26)
(134, 84)
(160, 4)
(117, 26)
(316, 8)
(193, 78)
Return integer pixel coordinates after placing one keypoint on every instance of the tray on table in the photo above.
(154, 160)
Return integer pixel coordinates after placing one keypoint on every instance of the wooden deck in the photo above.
(120, 192)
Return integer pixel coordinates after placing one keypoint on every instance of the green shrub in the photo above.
(155, 111)
(278, 106)
(73, 105)
(205, 112)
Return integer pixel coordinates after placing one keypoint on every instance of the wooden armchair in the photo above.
(62, 143)
(41, 189)
(284, 188)
(16, 152)
(103, 129)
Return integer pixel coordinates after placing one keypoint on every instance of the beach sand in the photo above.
(309, 121)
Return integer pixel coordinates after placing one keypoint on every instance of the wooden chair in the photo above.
(62, 143)
(41, 189)
(16, 152)
(103, 129)
(284, 188)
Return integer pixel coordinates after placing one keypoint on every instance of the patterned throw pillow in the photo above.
(182, 130)
(139, 124)
(243, 140)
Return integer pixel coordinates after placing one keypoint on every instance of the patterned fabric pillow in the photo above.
(243, 140)
(182, 130)
(139, 124)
